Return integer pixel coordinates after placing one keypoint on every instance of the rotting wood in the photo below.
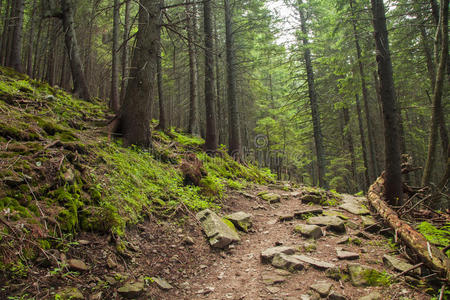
(430, 255)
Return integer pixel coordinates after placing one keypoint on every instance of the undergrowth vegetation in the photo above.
(59, 173)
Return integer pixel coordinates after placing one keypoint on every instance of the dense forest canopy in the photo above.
(296, 86)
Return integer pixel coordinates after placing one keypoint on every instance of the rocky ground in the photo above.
(294, 249)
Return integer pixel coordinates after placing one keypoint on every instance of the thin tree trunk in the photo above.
(36, 50)
(363, 144)
(161, 100)
(393, 184)
(126, 30)
(141, 90)
(351, 149)
(373, 170)
(5, 33)
(191, 15)
(29, 55)
(114, 100)
(79, 80)
(220, 105)
(234, 130)
(211, 135)
(436, 116)
(313, 100)
(15, 60)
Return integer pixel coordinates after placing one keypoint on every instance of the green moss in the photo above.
(437, 236)
(212, 186)
(229, 224)
(375, 278)
(186, 140)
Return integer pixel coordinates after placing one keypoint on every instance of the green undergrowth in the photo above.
(438, 236)
(59, 173)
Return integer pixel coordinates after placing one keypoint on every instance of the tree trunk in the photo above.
(141, 90)
(36, 50)
(161, 100)
(363, 144)
(234, 131)
(80, 88)
(436, 116)
(427, 253)
(114, 101)
(29, 55)
(5, 33)
(191, 16)
(351, 149)
(313, 100)
(126, 30)
(15, 60)
(373, 170)
(211, 136)
(393, 183)
(219, 99)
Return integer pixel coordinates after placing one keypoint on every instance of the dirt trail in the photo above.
(237, 273)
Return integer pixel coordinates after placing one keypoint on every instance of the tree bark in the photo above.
(351, 149)
(211, 135)
(161, 100)
(114, 101)
(5, 33)
(191, 15)
(126, 30)
(15, 60)
(437, 116)
(313, 99)
(393, 183)
(234, 130)
(427, 253)
(80, 88)
(363, 144)
(141, 90)
(373, 170)
(29, 54)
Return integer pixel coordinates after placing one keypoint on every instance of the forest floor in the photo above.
(180, 255)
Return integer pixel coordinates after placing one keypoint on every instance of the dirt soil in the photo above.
(164, 249)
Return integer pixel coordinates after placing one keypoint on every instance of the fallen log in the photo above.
(430, 255)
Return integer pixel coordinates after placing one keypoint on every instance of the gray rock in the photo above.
(131, 290)
(336, 296)
(323, 288)
(77, 265)
(287, 262)
(241, 220)
(311, 198)
(271, 197)
(70, 293)
(352, 225)
(162, 283)
(301, 214)
(369, 224)
(353, 205)
(314, 262)
(268, 254)
(398, 264)
(334, 273)
(273, 289)
(364, 276)
(336, 213)
(219, 234)
(341, 254)
(372, 296)
(271, 278)
(309, 246)
(331, 222)
(309, 231)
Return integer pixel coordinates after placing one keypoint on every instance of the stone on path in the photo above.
(309, 231)
(341, 254)
(268, 254)
(372, 296)
(336, 213)
(398, 264)
(336, 296)
(363, 276)
(241, 220)
(353, 205)
(331, 222)
(272, 278)
(270, 197)
(322, 288)
(162, 283)
(70, 293)
(287, 262)
(132, 290)
(314, 262)
(308, 212)
(285, 217)
(219, 234)
(77, 265)
(369, 224)
(311, 198)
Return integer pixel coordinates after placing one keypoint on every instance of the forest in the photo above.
(122, 122)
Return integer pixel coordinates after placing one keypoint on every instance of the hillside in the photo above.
(83, 217)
